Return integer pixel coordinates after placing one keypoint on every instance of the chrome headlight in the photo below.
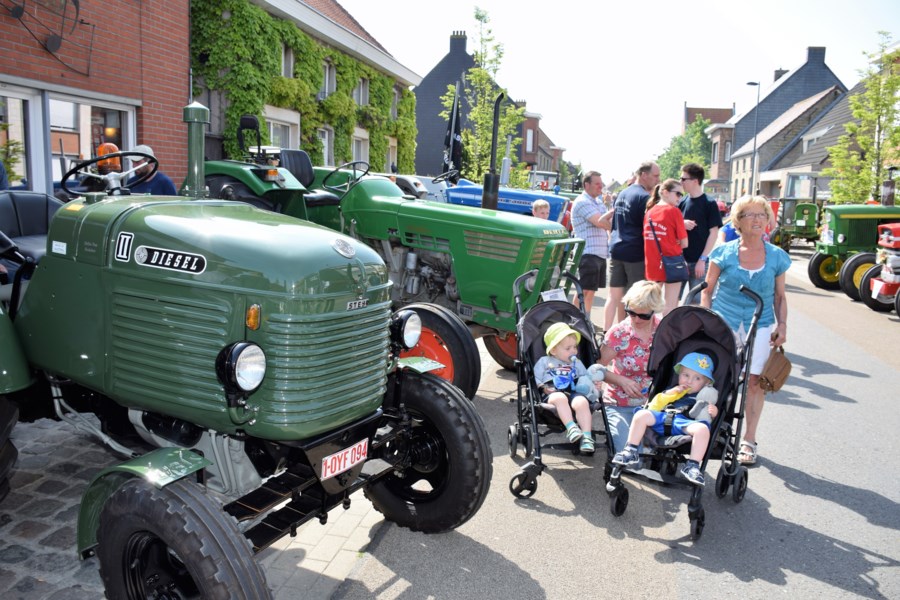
(406, 328)
(241, 367)
(841, 238)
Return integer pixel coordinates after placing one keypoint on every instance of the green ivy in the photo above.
(240, 54)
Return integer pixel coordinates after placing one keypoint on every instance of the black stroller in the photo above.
(534, 418)
(684, 330)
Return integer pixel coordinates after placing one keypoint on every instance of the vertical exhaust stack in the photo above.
(197, 117)
(491, 193)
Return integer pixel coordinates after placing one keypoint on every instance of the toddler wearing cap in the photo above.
(689, 406)
(557, 375)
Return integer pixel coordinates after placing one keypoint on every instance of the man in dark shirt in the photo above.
(626, 241)
(702, 221)
(158, 185)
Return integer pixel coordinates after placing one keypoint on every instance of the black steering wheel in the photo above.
(345, 187)
(452, 176)
(113, 180)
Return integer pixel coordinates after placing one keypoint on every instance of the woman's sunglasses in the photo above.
(644, 316)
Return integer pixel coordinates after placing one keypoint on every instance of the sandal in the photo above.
(587, 445)
(747, 457)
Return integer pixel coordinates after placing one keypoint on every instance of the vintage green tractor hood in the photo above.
(129, 283)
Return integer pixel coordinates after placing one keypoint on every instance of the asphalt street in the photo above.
(820, 518)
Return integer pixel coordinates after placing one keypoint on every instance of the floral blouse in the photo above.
(632, 355)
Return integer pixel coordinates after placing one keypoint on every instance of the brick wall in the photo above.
(140, 51)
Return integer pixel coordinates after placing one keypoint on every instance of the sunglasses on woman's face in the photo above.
(645, 317)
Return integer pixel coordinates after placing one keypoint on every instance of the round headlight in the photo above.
(250, 368)
(841, 238)
(406, 328)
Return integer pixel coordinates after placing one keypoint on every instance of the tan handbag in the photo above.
(776, 371)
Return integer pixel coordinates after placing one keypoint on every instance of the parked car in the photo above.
(509, 199)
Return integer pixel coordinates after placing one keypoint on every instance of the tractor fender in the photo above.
(15, 374)
(159, 468)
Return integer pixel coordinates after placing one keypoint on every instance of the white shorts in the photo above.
(761, 346)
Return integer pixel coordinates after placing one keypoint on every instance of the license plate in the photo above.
(354, 304)
(344, 460)
(801, 222)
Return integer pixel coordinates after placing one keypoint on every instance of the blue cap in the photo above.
(700, 363)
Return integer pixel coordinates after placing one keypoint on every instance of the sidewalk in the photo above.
(38, 559)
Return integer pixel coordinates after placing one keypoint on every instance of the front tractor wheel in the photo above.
(865, 291)
(823, 271)
(174, 542)
(504, 351)
(448, 453)
(9, 415)
(446, 339)
(852, 272)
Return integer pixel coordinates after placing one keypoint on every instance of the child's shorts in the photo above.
(569, 395)
(679, 423)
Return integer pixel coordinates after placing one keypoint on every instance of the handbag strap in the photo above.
(653, 231)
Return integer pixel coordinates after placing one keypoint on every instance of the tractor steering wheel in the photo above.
(345, 187)
(113, 180)
(452, 176)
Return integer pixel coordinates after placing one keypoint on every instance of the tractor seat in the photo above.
(300, 166)
(25, 218)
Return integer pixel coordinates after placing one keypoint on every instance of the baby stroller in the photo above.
(534, 418)
(684, 330)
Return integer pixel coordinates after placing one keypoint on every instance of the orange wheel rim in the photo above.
(432, 346)
(509, 346)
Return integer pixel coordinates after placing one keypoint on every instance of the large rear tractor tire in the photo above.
(865, 291)
(504, 351)
(9, 415)
(823, 270)
(450, 451)
(446, 339)
(174, 542)
(852, 272)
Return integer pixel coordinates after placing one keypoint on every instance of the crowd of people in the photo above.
(625, 240)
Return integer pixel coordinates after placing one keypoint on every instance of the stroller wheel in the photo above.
(722, 482)
(697, 525)
(618, 501)
(512, 439)
(523, 485)
(528, 435)
(740, 484)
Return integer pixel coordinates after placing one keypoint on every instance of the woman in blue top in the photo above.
(750, 261)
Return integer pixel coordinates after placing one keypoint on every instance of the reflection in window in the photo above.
(326, 135)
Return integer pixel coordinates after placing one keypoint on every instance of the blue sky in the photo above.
(610, 79)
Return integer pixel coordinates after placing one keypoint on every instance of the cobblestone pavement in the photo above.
(38, 558)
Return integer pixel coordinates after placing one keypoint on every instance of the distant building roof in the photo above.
(338, 14)
(714, 115)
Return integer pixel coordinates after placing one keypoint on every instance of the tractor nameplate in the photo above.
(172, 260)
(355, 304)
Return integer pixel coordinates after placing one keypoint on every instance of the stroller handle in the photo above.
(757, 312)
(695, 290)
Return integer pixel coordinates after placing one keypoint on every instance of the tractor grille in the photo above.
(427, 242)
(493, 246)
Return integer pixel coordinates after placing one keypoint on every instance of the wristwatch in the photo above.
(703, 257)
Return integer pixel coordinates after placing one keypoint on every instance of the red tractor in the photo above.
(879, 286)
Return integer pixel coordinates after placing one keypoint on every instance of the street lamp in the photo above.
(755, 131)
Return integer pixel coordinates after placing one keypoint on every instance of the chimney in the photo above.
(779, 73)
(458, 42)
(816, 54)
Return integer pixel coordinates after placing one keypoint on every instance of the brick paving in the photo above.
(38, 558)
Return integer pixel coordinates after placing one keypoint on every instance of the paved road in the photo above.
(820, 517)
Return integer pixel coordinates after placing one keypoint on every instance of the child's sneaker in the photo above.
(573, 433)
(587, 445)
(691, 472)
(627, 457)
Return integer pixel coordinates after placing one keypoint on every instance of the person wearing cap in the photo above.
(556, 375)
(158, 185)
(677, 411)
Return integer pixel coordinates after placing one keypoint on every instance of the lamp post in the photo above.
(755, 131)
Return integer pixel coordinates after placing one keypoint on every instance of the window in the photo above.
(63, 115)
(812, 138)
(529, 140)
(361, 92)
(283, 125)
(360, 145)
(287, 61)
(715, 152)
(328, 80)
(390, 157)
(326, 137)
(395, 104)
(727, 151)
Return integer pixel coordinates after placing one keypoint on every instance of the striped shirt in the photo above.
(596, 239)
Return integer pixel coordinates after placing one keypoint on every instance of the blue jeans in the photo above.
(619, 418)
(688, 285)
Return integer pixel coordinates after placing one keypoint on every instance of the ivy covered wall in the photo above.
(236, 48)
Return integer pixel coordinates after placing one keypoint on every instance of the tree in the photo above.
(860, 158)
(10, 153)
(479, 93)
(691, 146)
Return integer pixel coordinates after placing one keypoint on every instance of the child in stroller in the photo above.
(685, 409)
(565, 385)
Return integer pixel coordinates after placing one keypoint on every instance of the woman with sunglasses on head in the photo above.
(664, 230)
(759, 265)
(626, 350)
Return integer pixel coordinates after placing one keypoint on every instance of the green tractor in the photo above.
(796, 219)
(246, 363)
(459, 260)
(846, 246)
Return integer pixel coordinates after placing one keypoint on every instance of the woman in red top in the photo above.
(668, 222)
